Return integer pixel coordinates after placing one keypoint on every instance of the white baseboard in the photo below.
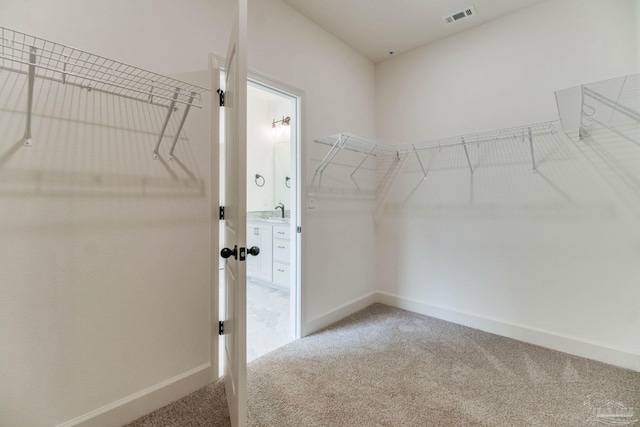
(145, 401)
(621, 357)
(339, 313)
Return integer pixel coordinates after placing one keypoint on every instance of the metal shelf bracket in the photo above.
(424, 172)
(26, 140)
(172, 106)
(533, 157)
(335, 149)
(360, 165)
(179, 130)
(466, 152)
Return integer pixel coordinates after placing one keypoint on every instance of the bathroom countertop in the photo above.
(269, 220)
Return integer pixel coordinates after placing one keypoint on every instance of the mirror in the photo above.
(268, 150)
(270, 186)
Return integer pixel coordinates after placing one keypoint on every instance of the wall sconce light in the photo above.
(286, 121)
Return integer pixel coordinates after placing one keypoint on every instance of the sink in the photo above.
(272, 220)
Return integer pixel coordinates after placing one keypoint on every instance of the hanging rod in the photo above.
(44, 59)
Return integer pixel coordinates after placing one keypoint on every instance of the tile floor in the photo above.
(267, 319)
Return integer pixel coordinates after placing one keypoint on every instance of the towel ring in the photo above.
(286, 182)
(258, 178)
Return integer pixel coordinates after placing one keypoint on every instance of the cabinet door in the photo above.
(281, 232)
(253, 239)
(281, 274)
(281, 250)
(281, 255)
(260, 267)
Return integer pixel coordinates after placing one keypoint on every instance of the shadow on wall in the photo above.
(439, 183)
(89, 144)
(533, 172)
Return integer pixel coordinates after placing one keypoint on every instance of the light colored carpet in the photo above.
(388, 367)
(206, 407)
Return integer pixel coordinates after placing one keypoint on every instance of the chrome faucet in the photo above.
(281, 206)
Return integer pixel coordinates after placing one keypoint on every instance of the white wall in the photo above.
(338, 87)
(106, 276)
(105, 283)
(554, 251)
(638, 30)
(106, 273)
(504, 73)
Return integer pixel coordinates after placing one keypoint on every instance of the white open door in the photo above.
(235, 217)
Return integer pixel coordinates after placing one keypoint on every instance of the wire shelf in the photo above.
(520, 133)
(67, 65)
(612, 105)
(369, 150)
(609, 106)
(44, 59)
(357, 143)
(372, 148)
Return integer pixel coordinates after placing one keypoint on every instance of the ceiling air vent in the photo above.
(464, 13)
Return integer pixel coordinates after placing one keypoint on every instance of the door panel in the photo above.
(235, 227)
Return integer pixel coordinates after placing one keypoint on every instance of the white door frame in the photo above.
(296, 214)
(299, 220)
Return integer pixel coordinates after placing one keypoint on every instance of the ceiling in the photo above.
(377, 27)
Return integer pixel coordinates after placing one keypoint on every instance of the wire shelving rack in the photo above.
(369, 148)
(40, 58)
(612, 105)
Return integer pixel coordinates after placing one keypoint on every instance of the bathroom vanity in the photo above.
(272, 266)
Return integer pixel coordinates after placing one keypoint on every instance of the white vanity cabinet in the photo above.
(261, 266)
(281, 255)
(272, 265)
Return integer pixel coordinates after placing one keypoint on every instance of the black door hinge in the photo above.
(299, 229)
(221, 93)
(221, 215)
(220, 327)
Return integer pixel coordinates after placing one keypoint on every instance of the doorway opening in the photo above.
(272, 217)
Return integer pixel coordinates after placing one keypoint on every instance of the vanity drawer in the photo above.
(281, 274)
(281, 250)
(281, 232)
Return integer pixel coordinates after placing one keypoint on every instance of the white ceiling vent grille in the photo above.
(464, 13)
